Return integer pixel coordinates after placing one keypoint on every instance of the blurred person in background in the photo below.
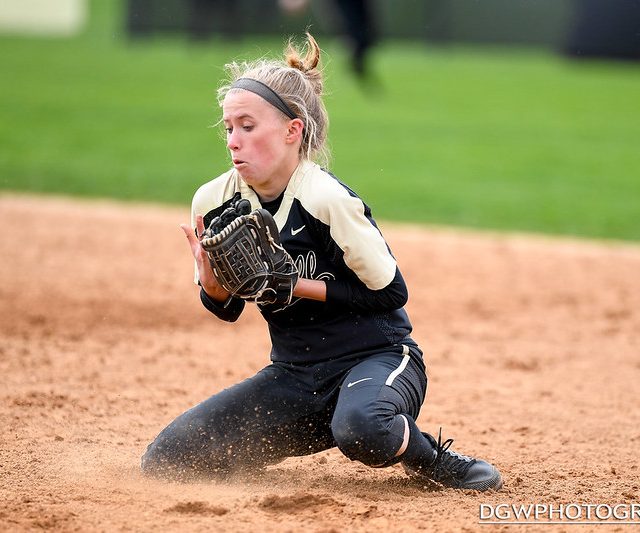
(358, 24)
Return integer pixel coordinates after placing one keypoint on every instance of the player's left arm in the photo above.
(312, 289)
(373, 281)
(356, 295)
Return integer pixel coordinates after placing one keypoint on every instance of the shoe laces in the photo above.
(449, 463)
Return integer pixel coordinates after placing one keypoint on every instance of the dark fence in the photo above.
(582, 27)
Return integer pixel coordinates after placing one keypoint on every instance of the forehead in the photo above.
(239, 102)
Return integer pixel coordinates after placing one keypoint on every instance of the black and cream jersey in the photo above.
(331, 236)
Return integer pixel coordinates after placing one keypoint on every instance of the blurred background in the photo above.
(499, 114)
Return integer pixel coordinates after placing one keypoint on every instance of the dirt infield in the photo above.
(532, 347)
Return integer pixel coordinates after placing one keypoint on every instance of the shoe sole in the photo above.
(493, 483)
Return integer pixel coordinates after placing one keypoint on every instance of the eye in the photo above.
(229, 131)
(247, 128)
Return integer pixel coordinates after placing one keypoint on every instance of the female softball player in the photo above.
(344, 369)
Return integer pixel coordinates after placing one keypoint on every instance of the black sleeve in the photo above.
(229, 311)
(355, 294)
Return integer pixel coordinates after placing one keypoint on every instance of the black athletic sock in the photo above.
(420, 451)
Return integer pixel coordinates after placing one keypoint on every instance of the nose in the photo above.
(232, 140)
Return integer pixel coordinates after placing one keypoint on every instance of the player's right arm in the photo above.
(213, 297)
(207, 280)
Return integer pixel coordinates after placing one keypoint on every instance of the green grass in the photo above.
(503, 140)
(490, 138)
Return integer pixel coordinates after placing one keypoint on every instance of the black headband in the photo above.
(265, 92)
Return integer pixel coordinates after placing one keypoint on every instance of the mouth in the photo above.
(238, 162)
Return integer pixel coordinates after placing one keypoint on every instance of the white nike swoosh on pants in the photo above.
(349, 385)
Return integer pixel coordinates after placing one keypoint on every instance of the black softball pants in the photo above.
(297, 409)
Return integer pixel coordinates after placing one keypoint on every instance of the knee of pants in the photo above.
(179, 451)
(165, 459)
(362, 436)
(153, 461)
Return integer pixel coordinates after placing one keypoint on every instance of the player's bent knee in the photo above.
(179, 451)
(178, 463)
(165, 458)
(154, 463)
(360, 436)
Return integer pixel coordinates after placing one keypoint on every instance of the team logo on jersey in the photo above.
(307, 266)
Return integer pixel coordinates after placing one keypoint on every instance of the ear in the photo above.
(294, 130)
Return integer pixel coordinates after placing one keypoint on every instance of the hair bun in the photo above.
(309, 61)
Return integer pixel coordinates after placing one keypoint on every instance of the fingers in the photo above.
(190, 234)
(200, 225)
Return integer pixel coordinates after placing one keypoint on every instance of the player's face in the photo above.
(256, 138)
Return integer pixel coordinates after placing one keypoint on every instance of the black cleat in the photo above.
(457, 471)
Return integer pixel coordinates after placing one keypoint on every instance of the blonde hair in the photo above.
(298, 81)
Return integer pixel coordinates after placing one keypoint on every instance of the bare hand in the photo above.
(207, 279)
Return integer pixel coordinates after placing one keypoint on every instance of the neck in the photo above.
(274, 187)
